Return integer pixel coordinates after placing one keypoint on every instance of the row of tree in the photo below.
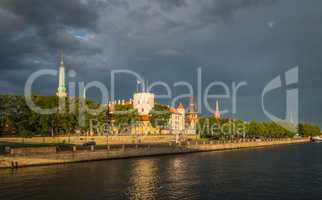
(17, 117)
(309, 130)
(210, 127)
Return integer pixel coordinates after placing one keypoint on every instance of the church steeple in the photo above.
(61, 59)
(217, 114)
(192, 116)
(192, 106)
(61, 91)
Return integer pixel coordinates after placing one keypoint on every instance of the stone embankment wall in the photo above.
(82, 156)
(215, 146)
(122, 139)
(26, 151)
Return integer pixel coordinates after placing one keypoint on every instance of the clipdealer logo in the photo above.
(291, 80)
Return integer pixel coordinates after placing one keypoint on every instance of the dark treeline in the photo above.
(209, 127)
(16, 118)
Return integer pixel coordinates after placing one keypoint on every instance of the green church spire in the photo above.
(61, 91)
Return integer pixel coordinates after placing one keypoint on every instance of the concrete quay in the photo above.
(100, 140)
(17, 161)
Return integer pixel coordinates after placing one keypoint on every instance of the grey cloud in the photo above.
(152, 21)
(169, 5)
(164, 40)
(170, 52)
(36, 28)
(223, 9)
(53, 14)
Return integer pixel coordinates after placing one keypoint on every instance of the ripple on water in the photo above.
(284, 172)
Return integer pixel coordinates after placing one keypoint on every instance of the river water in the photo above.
(280, 172)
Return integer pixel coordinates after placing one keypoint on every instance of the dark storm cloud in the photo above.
(209, 12)
(168, 5)
(32, 32)
(233, 40)
(146, 20)
(225, 10)
(50, 15)
(38, 26)
(41, 24)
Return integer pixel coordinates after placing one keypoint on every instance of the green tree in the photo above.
(125, 117)
(160, 116)
(16, 117)
(309, 130)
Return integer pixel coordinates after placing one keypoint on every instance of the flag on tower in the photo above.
(139, 82)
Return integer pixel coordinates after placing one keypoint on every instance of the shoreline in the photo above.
(100, 155)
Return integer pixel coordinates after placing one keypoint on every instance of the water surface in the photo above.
(283, 172)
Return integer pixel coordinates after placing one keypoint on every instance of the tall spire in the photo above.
(192, 107)
(61, 91)
(217, 111)
(61, 59)
(192, 116)
(84, 93)
(180, 106)
(217, 106)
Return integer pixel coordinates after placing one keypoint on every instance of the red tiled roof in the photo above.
(173, 110)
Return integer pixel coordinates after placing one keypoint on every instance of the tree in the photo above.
(125, 117)
(209, 127)
(253, 129)
(16, 117)
(160, 116)
(309, 130)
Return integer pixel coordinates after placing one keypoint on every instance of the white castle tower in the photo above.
(61, 91)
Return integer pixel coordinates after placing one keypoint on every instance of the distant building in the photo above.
(177, 118)
(61, 91)
(192, 117)
(179, 122)
(143, 102)
(217, 114)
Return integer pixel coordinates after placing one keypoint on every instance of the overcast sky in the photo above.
(167, 40)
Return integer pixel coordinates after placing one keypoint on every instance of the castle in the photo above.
(180, 121)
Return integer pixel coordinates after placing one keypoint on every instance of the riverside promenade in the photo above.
(12, 160)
